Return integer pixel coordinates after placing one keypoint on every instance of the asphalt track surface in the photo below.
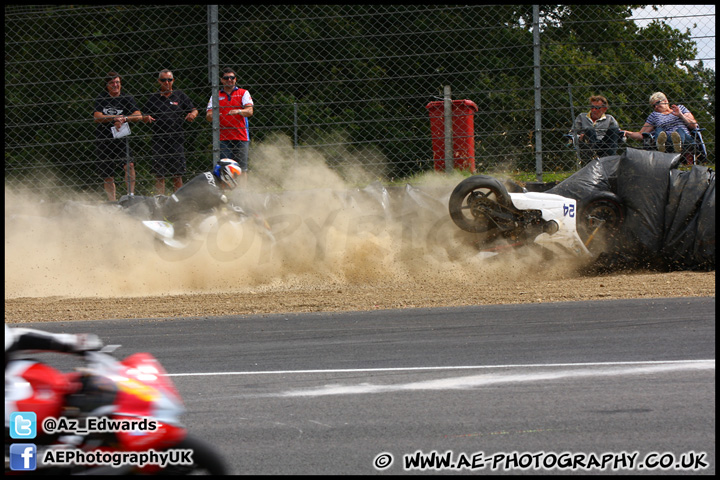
(622, 386)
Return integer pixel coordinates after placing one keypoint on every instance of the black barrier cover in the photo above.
(669, 213)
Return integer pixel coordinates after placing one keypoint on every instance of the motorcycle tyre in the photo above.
(464, 189)
(205, 458)
(611, 210)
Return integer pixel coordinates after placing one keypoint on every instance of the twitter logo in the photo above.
(23, 425)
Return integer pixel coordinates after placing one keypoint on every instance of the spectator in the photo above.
(236, 107)
(669, 125)
(598, 134)
(166, 110)
(113, 109)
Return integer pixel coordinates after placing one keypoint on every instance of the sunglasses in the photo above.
(164, 80)
(228, 77)
(596, 107)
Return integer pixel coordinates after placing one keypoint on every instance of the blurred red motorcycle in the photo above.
(108, 416)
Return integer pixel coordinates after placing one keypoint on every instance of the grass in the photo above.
(547, 177)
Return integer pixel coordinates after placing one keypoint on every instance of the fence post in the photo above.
(538, 95)
(447, 112)
(214, 72)
(574, 134)
(295, 130)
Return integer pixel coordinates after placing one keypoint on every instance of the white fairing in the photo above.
(164, 231)
(562, 210)
(16, 387)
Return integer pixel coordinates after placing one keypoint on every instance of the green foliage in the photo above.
(358, 74)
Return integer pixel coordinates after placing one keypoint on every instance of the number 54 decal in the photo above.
(569, 210)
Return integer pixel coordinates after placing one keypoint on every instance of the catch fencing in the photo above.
(350, 82)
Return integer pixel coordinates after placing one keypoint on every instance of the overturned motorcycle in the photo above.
(483, 205)
(635, 210)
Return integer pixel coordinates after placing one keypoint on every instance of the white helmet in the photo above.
(9, 338)
(228, 171)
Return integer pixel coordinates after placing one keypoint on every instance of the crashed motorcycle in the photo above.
(502, 219)
(109, 416)
(188, 234)
(634, 210)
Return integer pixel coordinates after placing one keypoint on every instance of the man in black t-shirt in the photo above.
(167, 109)
(113, 109)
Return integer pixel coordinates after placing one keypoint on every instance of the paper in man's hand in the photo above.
(123, 131)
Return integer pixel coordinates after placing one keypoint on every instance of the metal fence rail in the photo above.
(352, 82)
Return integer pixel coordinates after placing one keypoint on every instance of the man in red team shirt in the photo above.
(236, 107)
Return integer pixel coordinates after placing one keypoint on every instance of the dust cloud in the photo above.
(327, 232)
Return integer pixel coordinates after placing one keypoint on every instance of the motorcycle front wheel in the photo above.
(206, 460)
(478, 203)
(599, 223)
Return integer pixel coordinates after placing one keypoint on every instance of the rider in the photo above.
(204, 192)
(23, 340)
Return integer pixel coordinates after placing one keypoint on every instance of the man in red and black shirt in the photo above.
(236, 107)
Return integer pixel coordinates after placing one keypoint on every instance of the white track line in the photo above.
(491, 375)
(703, 364)
(484, 379)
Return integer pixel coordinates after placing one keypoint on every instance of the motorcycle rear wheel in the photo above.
(473, 198)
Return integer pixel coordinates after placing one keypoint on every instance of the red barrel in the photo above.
(463, 133)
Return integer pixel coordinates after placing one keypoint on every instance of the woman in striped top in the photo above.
(669, 125)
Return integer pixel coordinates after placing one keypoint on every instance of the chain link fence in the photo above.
(356, 83)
